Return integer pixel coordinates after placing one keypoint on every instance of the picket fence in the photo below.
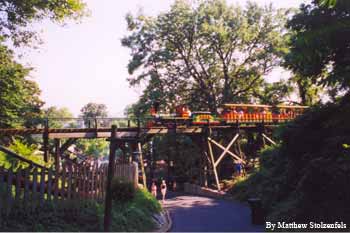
(35, 186)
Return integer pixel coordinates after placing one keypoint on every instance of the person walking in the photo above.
(154, 189)
(163, 190)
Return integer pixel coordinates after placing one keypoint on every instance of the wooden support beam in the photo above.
(20, 157)
(110, 174)
(213, 162)
(142, 165)
(226, 150)
(223, 148)
(67, 144)
(57, 154)
(269, 139)
(46, 141)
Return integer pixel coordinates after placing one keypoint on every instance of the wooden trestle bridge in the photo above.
(135, 136)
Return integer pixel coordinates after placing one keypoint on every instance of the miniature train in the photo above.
(228, 114)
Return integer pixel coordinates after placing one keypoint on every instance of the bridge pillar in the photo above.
(108, 201)
(139, 146)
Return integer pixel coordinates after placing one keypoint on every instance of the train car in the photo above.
(181, 116)
(229, 114)
(252, 113)
(288, 112)
(247, 113)
(203, 117)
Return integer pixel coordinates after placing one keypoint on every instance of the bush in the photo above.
(122, 190)
(23, 149)
(306, 177)
(60, 216)
(135, 215)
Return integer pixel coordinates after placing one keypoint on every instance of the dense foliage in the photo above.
(135, 215)
(58, 117)
(204, 54)
(122, 190)
(25, 150)
(320, 45)
(18, 15)
(307, 177)
(19, 96)
(96, 148)
(93, 110)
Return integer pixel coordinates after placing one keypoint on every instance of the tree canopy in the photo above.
(92, 110)
(58, 117)
(320, 45)
(20, 102)
(204, 54)
(19, 96)
(16, 16)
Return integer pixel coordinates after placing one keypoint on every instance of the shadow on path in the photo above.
(194, 213)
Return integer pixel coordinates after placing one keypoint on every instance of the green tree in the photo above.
(320, 45)
(20, 104)
(94, 147)
(204, 54)
(18, 15)
(273, 93)
(58, 117)
(19, 96)
(93, 110)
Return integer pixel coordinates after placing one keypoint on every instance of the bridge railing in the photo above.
(79, 123)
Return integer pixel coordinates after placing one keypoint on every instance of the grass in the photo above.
(135, 215)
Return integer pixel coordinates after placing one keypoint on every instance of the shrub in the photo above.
(306, 178)
(122, 190)
(135, 215)
(82, 215)
(25, 150)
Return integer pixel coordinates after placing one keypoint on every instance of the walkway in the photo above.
(193, 213)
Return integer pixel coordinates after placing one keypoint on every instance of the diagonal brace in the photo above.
(226, 150)
(269, 139)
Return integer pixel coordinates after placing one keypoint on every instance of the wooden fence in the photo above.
(33, 185)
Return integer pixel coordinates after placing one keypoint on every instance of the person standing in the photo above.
(154, 189)
(163, 190)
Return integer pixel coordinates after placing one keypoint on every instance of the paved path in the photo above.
(193, 213)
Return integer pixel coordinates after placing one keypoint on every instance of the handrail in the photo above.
(17, 156)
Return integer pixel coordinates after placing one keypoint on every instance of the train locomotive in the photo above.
(230, 113)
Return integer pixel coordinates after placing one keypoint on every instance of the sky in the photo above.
(85, 62)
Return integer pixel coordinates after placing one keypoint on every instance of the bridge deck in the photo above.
(126, 132)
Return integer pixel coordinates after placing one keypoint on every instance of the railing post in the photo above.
(108, 200)
(138, 128)
(96, 126)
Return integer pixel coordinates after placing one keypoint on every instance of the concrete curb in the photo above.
(207, 192)
(167, 226)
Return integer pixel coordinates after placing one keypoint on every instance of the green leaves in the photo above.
(204, 54)
(329, 3)
(18, 15)
(320, 44)
(19, 96)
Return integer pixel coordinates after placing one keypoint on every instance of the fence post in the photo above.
(42, 187)
(9, 189)
(26, 187)
(18, 183)
(49, 184)
(34, 188)
(46, 140)
(69, 185)
(108, 201)
(2, 184)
